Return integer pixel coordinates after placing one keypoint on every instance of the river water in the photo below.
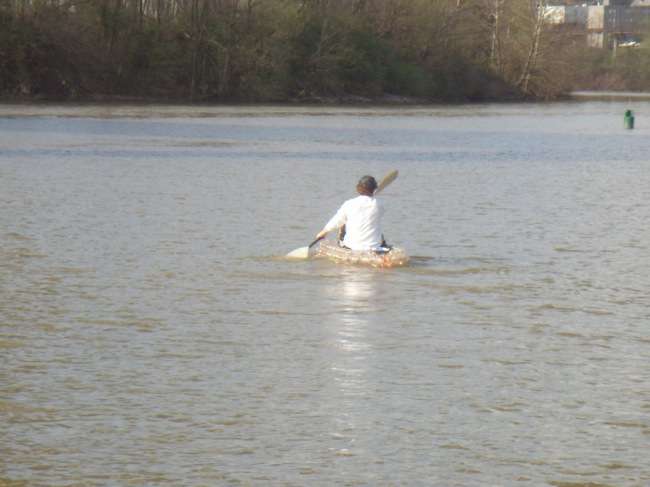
(151, 332)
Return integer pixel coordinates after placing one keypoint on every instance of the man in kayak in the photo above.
(359, 218)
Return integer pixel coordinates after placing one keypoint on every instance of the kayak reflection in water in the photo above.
(359, 219)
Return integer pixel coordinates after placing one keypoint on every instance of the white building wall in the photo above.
(596, 17)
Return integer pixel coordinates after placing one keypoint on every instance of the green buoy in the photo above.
(628, 120)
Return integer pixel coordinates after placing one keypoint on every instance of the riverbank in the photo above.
(306, 99)
(338, 99)
(612, 95)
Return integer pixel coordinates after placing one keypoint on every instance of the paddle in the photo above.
(303, 252)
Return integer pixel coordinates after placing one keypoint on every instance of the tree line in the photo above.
(279, 50)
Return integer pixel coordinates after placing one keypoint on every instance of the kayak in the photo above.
(377, 257)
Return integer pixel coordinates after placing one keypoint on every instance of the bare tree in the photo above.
(535, 21)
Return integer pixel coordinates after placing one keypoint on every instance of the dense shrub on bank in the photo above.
(279, 50)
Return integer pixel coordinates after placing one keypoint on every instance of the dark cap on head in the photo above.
(367, 185)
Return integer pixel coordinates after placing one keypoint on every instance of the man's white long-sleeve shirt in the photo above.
(362, 219)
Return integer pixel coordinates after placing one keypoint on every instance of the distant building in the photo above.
(567, 14)
(608, 25)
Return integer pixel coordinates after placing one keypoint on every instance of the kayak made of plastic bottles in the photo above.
(378, 257)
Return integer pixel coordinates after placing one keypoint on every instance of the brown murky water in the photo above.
(152, 334)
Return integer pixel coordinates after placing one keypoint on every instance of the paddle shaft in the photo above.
(315, 242)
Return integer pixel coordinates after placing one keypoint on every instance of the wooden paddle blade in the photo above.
(301, 253)
(386, 181)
